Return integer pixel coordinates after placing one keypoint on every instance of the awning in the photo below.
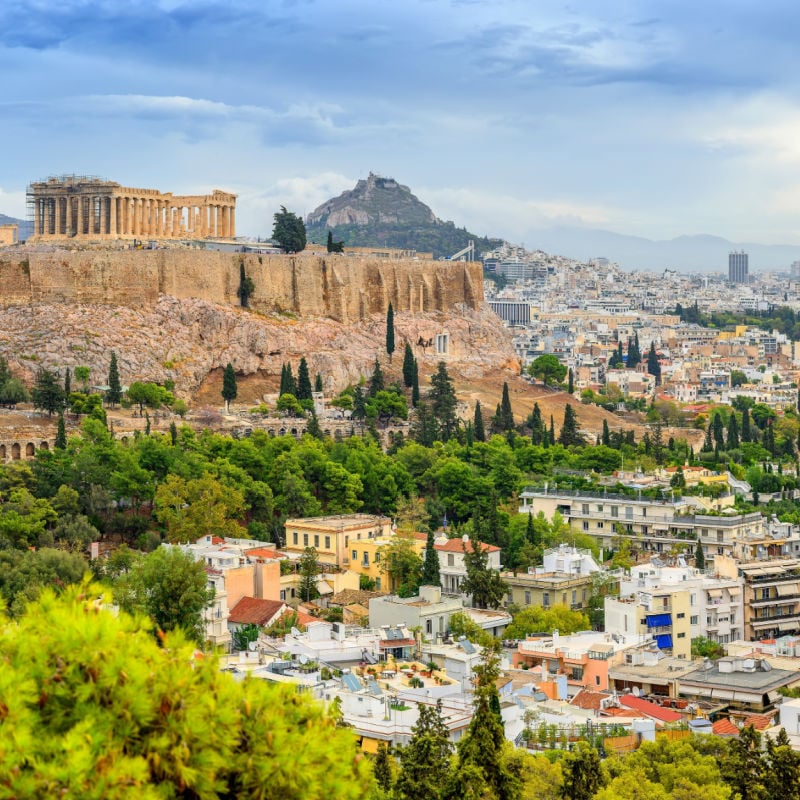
(659, 620)
(787, 589)
(715, 593)
(722, 694)
(664, 641)
(788, 626)
(734, 591)
(747, 697)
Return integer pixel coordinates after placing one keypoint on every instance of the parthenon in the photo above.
(87, 207)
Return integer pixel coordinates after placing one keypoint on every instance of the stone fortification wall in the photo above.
(345, 289)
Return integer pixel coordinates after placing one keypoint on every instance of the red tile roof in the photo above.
(650, 709)
(724, 727)
(588, 699)
(759, 721)
(264, 552)
(459, 545)
(252, 611)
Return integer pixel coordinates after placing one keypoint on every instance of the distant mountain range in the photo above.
(25, 227)
(380, 212)
(701, 253)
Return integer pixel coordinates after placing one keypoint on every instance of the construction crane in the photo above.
(468, 251)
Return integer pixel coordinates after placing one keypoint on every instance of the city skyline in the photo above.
(629, 117)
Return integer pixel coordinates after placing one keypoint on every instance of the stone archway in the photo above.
(2, 452)
(30, 450)
(15, 451)
(44, 446)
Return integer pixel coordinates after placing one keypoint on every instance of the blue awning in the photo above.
(664, 641)
(659, 620)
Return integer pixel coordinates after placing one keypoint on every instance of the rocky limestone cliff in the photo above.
(187, 339)
(373, 201)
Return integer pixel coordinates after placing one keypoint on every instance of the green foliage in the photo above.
(289, 405)
(408, 366)
(47, 393)
(390, 331)
(246, 287)
(168, 586)
(149, 394)
(442, 398)
(332, 246)
(401, 564)
(309, 569)
(114, 391)
(706, 648)
(430, 564)
(461, 624)
(482, 583)
(288, 231)
(548, 369)
(425, 760)
(535, 619)
(243, 635)
(229, 387)
(94, 708)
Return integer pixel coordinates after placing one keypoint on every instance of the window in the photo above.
(628, 512)
(694, 620)
(681, 615)
(585, 525)
(599, 525)
(316, 540)
(719, 551)
(585, 508)
(377, 584)
(527, 598)
(765, 594)
(574, 596)
(378, 557)
(615, 511)
(327, 542)
(294, 538)
(546, 599)
(283, 594)
(428, 626)
(354, 555)
(365, 561)
(681, 635)
(600, 507)
(719, 535)
(305, 540)
(596, 680)
(583, 595)
(451, 560)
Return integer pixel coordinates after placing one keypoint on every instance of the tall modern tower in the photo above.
(738, 267)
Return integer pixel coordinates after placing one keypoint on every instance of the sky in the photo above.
(654, 119)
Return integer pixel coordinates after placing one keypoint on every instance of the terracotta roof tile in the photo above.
(459, 545)
(759, 721)
(650, 709)
(724, 727)
(589, 700)
(263, 552)
(252, 611)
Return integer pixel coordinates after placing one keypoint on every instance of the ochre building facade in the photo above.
(72, 206)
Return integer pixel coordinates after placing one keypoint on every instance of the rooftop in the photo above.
(252, 611)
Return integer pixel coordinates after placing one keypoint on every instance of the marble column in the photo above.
(37, 216)
(112, 216)
(68, 217)
(58, 217)
(232, 222)
(79, 210)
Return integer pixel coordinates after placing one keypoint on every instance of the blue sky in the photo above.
(649, 118)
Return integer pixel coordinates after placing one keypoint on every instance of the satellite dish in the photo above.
(635, 691)
(252, 647)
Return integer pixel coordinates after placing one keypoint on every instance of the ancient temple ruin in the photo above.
(87, 207)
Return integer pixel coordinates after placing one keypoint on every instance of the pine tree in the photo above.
(506, 414)
(67, 382)
(382, 768)
(570, 381)
(699, 556)
(569, 429)
(479, 434)
(482, 583)
(114, 392)
(583, 773)
(482, 769)
(424, 428)
(376, 382)
(47, 393)
(390, 331)
(415, 385)
(61, 434)
(313, 428)
(425, 760)
(303, 381)
(408, 366)
(430, 564)
(359, 404)
(229, 388)
(606, 440)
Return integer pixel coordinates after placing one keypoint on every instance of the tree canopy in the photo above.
(288, 231)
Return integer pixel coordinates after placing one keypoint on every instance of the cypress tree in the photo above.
(530, 531)
(114, 393)
(653, 367)
(61, 434)
(67, 382)
(390, 332)
(376, 382)
(359, 405)
(506, 414)
(708, 442)
(408, 366)
(570, 381)
(479, 434)
(569, 429)
(229, 388)
(330, 241)
(443, 402)
(537, 426)
(173, 433)
(606, 440)
(425, 760)
(415, 385)
(303, 381)
(288, 385)
(318, 383)
(430, 564)
(746, 433)
(699, 556)
(551, 439)
(719, 431)
(733, 433)
(382, 768)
